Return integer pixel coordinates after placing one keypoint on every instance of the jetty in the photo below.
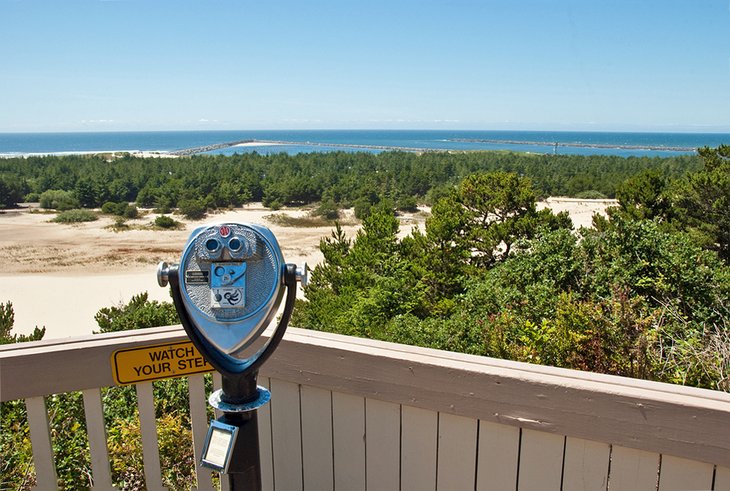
(207, 148)
(386, 148)
(576, 145)
(218, 146)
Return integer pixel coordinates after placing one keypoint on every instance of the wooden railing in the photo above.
(356, 414)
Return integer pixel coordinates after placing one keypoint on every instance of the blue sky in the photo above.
(99, 65)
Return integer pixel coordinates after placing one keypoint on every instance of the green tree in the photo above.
(361, 284)
(442, 256)
(12, 191)
(86, 192)
(7, 322)
(493, 204)
(147, 196)
(643, 196)
(496, 209)
(328, 291)
(703, 201)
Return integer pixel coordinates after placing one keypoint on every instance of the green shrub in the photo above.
(32, 197)
(119, 225)
(408, 204)
(362, 208)
(109, 208)
(75, 216)
(130, 211)
(164, 221)
(57, 199)
(327, 209)
(121, 209)
(16, 455)
(139, 313)
(67, 423)
(193, 209)
(274, 205)
(176, 453)
(632, 297)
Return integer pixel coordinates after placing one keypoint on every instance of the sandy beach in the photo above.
(59, 276)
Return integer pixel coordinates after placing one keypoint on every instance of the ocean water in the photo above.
(297, 141)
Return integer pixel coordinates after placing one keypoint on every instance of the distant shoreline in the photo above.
(177, 143)
(68, 153)
(475, 140)
(358, 146)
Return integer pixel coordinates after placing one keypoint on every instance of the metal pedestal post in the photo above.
(239, 397)
(239, 400)
(245, 469)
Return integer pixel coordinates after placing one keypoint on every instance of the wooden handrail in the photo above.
(682, 421)
(62, 365)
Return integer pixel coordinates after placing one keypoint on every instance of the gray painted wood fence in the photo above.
(355, 414)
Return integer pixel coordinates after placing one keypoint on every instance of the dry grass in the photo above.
(285, 220)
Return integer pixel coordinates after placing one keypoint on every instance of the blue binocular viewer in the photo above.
(227, 289)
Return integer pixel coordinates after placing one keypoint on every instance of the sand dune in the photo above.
(59, 276)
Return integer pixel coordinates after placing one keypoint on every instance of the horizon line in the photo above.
(647, 131)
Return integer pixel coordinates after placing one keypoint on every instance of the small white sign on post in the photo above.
(218, 446)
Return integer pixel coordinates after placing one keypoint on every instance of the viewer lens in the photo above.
(235, 244)
(212, 245)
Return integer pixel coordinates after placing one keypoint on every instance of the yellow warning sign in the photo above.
(132, 365)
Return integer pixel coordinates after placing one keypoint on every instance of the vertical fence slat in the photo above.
(419, 434)
(678, 474)
(541, 460)
(148, 427)
(632, 469)
(40, 437)
(348, 439)
(286, 434)
(382, 459)
(722, 479)
(586, 465)
(217, 384)
(96, 431)
(499, 448)
(265, 451)
(199, 419)
(317, 438)
(457, 452)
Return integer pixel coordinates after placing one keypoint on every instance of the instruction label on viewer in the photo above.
(132, 365)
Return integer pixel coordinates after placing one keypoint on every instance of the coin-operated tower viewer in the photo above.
(227, 290)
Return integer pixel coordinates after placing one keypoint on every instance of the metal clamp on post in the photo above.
(227, 290)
